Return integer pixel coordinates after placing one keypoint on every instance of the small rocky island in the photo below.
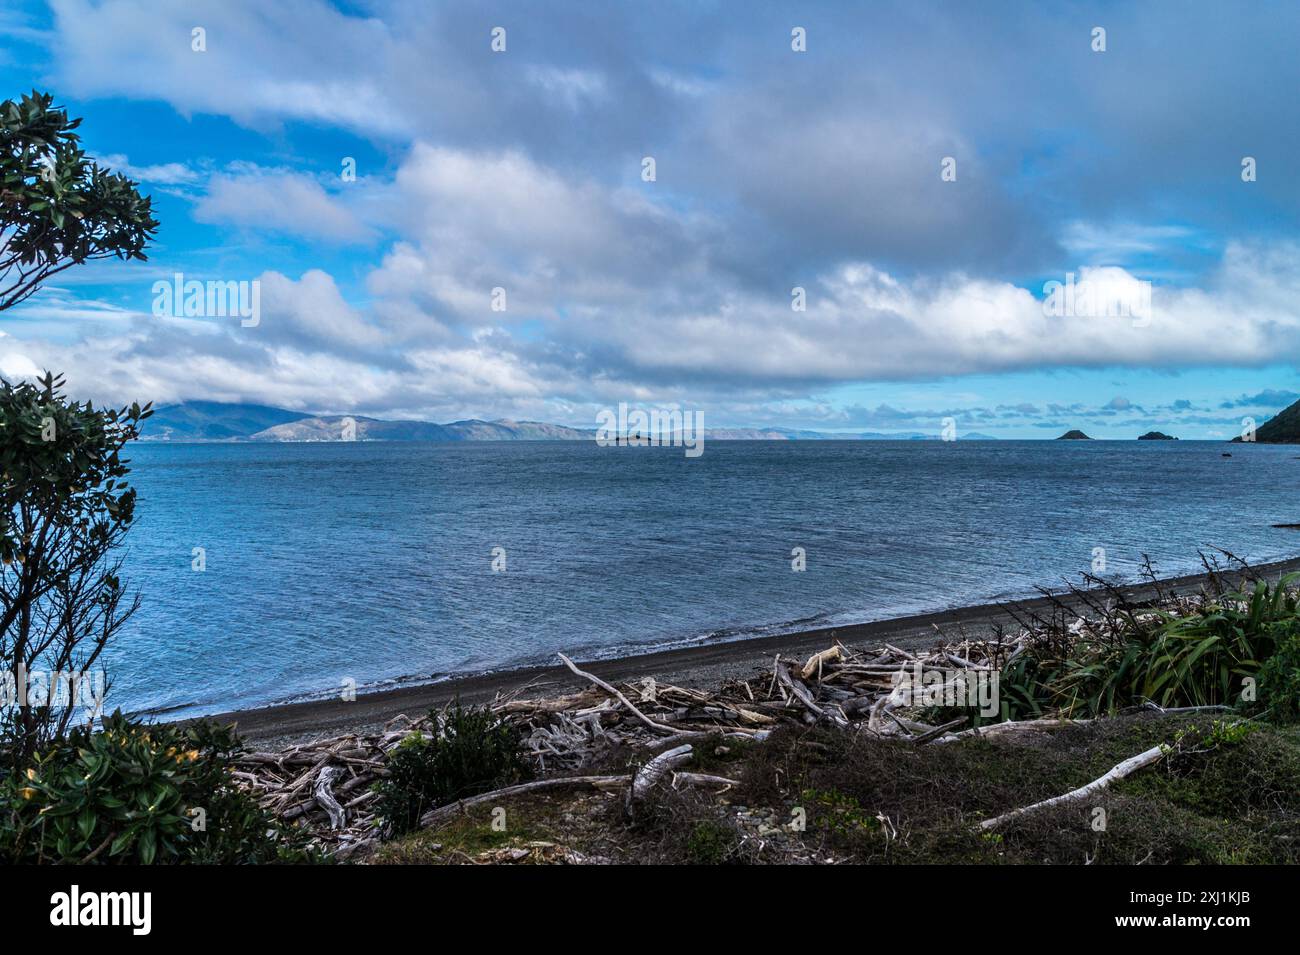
(1075, 435)
(1156, 436)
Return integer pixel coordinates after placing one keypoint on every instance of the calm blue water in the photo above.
(373, 560)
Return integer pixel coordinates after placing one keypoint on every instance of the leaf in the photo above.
(148, 846)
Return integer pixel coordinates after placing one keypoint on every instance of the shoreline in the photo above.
(694, 666)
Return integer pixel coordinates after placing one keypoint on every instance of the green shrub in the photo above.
(710, 843)
(134, 793)
(467, 752)
(838, 813)
(1279, 683)
(1197, 658)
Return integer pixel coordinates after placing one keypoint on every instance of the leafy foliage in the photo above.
(65, 506)
(58, 208)
(1199, 657)
(1279, 683)
(139, 794)
(469, 751)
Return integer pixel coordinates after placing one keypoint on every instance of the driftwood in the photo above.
(653, 771)
(324, 793)
(926, 736)
(443, 813)
(1005, 729)
(804, 695)
(702, 779)
(1126, 768)
(813, 668)
(616, 693)
(326, 785)
(563, 734)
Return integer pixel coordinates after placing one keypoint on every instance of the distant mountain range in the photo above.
(219, 421)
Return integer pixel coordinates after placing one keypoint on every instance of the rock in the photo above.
(1075, 435)
(1156, 436)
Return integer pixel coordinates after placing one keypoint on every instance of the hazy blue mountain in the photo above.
(213, 421)
(333, 428)
(217, 421)
(506, 430)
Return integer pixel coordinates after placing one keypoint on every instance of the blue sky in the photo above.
(820, 169)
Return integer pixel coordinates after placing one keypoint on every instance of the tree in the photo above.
(58, 208)
(65, 507)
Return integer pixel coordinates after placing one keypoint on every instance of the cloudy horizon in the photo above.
(921, 172)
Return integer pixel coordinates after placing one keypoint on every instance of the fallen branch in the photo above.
(442, 813)
(653, 771)
(1157, 708)
(1002, 729)
(608, 688)
(813, 667)
(1129, 766)
(937, 731)
(802, 694)
(703, 779)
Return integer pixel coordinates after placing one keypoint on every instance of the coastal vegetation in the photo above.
(139, 794)
(464, 752)
(1204, 650)
(65, 509)
(59, 207)
(1225, 793)
(66, 505)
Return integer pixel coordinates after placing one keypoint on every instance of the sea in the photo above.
(269, 573)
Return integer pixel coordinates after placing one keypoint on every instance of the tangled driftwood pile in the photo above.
(327, 784)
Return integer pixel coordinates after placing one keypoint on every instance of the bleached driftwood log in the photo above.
(813, 668)
(653, 771)
(1126, 768)
(804, 696)
(702, 779)
(443, 813)
(614, 691)
(323, 790)
(1004, 729)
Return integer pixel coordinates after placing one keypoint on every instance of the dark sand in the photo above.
(698, 666)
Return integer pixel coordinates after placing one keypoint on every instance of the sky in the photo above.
(921, 171)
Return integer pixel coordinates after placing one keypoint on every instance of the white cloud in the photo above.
(614, 292)
(293, 59)
(162, 174)
(279, 201)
